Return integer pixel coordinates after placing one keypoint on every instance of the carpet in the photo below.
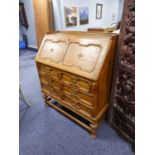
(44, 131)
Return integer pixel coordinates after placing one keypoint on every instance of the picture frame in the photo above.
(70, 16)
(83, 15)
(98, 11)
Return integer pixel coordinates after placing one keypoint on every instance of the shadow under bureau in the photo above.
(75, 71)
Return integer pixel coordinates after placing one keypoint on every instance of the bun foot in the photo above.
(93, 132)
(93, 135)
(46, 105)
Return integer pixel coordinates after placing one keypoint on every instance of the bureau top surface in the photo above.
(82, 55)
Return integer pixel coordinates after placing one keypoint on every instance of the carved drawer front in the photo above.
(45, 87)
(71, 93)
(84, 85)
(85, 98)
(55, 74)
(66, 78)
(76, 82)
(56, 94)
(76, 95)
(84, 109)
(43, 68)
(44, 77)
(68, 100)
(67, 90)
(77, 106)
(53, 50)
(55, 85)
(44, 73)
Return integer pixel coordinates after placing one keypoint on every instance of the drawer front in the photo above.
(88, 100)
(76, 95)
(45, 88)
(43, 73)
(55, 85)
(56, 94)
(77, 82)
(44, 78)
(67, 90)
(77, 106)
(43, 68)
(84, 109)
(75, 91)
(48, 72)
(55, 74)
(82, 84)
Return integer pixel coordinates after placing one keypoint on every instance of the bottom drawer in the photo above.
(83, 108)
(45, 88)
(56, 94)
(77, 106)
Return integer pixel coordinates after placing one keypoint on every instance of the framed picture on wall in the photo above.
(98, 11)
(84, 15)
(70, 16)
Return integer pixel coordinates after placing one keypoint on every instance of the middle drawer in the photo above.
(77, 82)
(76, 95)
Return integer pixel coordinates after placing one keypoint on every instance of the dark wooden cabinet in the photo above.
(122, 102)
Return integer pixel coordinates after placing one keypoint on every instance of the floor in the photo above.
(44, 131)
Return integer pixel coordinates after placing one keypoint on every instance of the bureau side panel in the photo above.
(105, 78)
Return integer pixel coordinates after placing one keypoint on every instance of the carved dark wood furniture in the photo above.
(122, 103)
(75, 70)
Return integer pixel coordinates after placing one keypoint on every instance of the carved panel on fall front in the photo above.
(53, 50)
(84, 57)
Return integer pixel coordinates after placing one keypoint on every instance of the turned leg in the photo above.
(45, 99)
(93, 132)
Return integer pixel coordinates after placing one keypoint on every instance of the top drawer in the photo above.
(65, 78)
(48, 71)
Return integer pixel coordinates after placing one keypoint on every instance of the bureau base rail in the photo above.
(90, 127)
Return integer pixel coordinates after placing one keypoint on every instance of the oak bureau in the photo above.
(75, 70)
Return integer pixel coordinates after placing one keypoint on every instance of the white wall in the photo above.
(110, 7)
(30, 32)
(120, 9)
(57, 14)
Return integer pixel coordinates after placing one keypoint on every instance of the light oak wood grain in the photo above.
(83, 86)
